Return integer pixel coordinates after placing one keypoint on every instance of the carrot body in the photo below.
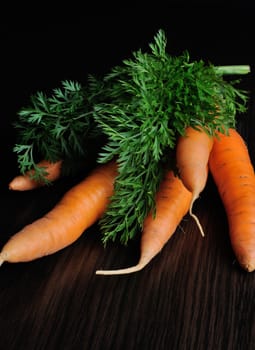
(26, 182)
(233, 173)
(78, 209)
(192, 155)
(172, 203)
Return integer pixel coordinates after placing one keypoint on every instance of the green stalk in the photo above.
(229, 70)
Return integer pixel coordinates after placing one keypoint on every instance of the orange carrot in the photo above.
(26, 182)
(192, 155)
(233, 173)
(172, 203)
(79, 208)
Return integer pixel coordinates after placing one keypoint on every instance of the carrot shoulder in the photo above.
(78, 209)
(192, 155)
(233, 174)
(172, 203)
(26, 182)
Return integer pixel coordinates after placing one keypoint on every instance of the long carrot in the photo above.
(79, 208)
(192, 155)
(233, 173)
(172, 203)
(26, 182)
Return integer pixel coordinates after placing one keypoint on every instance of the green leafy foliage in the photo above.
(138, 109)
(152, 98)
(60, 126)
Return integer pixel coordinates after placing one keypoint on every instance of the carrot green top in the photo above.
(137, 110)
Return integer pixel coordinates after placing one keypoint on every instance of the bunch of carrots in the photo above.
(225, 155)
(165, 123)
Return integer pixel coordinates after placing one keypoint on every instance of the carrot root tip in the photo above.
(195, 217)
(249, 267)
(2, 260)
(124, 271)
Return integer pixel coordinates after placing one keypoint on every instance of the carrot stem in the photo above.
(239, 69)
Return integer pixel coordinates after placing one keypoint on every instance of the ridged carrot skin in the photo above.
(26, 182)
(192, 155)
(79, 208)
(172, 203)
(233, 173)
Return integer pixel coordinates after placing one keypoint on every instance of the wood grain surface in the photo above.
(193, 295)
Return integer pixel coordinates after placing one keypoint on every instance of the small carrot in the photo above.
(233, 174)
(79, 208)
(26, 182)
(172, 203)
(192, 155)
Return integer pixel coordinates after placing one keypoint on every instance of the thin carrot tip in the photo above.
(248, 267)
(127, 270)
(2, 260)
(197, 221)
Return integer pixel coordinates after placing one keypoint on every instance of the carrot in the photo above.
(26, 182)
(233, 174)
(192, 155)
(172, 203)
(78, 209)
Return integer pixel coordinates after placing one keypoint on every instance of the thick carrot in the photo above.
(26, 182)
(233, 173)
(172, 203)
(192, 155)
(79, 208)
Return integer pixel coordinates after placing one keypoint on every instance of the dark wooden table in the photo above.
(193, 295)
